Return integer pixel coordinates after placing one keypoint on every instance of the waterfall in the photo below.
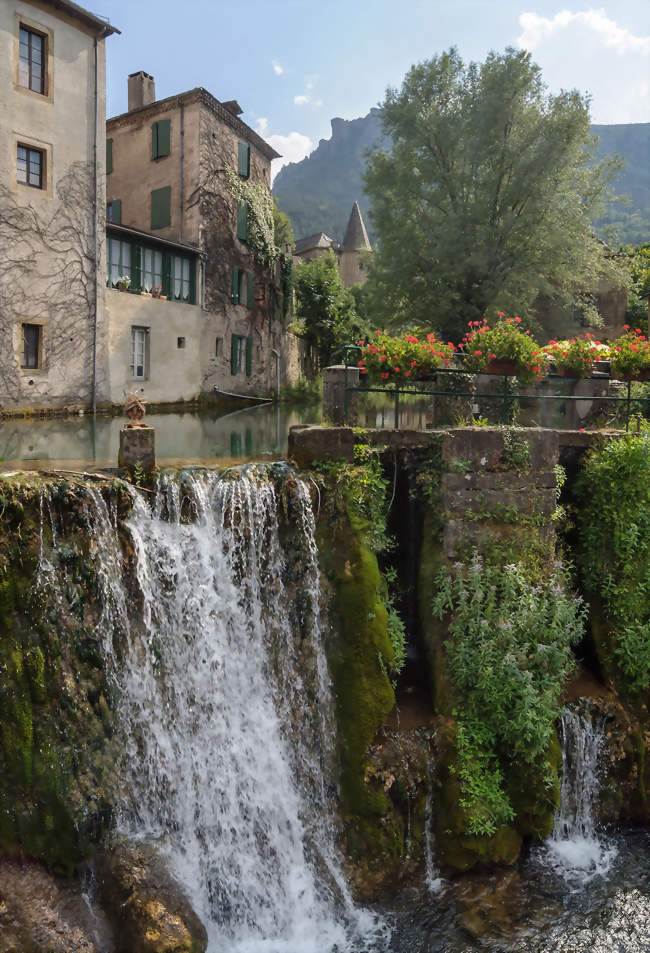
(212, 633)
(433, 880)
(576, 848)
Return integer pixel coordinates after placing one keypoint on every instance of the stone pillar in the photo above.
(334, 394)
(137, 445)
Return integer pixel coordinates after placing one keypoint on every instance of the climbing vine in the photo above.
(613, 521)
(259, 202)
(509, 654)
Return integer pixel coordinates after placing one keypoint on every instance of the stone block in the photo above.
(137, 446)
(482, 447)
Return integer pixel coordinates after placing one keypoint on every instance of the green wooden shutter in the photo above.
(161, 207)
(249, 356)
(116, 211)
(250, 289)
(164, 137)
(136, 267)
(167, 276)
(234, 293)
(235, 444)
(242, 221)
(154, 140)
(234, 354)
(109, 156)
(244, 159)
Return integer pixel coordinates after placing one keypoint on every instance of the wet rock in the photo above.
(148, 905)
(42, 914)
(488, 904)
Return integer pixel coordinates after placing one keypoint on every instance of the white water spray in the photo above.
(215, 645)
(434, 881)
(575, 846)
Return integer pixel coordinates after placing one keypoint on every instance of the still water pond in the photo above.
(199, 437)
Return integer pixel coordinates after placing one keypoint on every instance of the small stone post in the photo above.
(137, 445)
(334, 394)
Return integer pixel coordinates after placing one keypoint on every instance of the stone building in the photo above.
(53, 337)
(351, 256)
(178, 225)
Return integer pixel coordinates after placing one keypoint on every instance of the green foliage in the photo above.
(260, 217)
(509, 654)
(282, 230)
(487, 194)
(504, 341)
(324, 309)
(630, 355)
(613, 521)
(386, 359)
(638, 264)
(396, 628)
(576, 357)
(516, 452)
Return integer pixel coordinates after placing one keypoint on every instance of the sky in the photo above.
(294, 64)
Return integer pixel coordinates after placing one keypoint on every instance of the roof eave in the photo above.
(74, 10)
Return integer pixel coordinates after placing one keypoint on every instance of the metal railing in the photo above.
(507, 394)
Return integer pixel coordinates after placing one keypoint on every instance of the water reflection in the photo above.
(201, 436)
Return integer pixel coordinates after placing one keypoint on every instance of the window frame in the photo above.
(25, 27)
(42, 166)
(138, 270)
(25, 22)
(136, 330)
(24, 366)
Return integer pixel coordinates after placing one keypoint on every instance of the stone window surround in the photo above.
(48, 34)
(45, 148)
(19, 345)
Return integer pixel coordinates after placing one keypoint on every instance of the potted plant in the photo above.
(502, 349)
(123, 283)
(630, 356)
(575, 357)
(156, 291)
(402, 359)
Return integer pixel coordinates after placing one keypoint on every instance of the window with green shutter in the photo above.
(234, 290)
(161, 207)
(161, 138)
(239, 353)
(244, 159)
(109, 156)
(242, 221)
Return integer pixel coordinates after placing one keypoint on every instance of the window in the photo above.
(242, 221)
(244, 159)
(243, 287)
(31, 60)
(140, 352)
(217, 347)
(118, 261)
(31, 346)
(161, 138)
(152, 269)
(30, 166)
(241, 354)
(114, 211)
(109, 156)
(181, 278)
(161, 207)
(180, 343)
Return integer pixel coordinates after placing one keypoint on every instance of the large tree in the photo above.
(485, 198)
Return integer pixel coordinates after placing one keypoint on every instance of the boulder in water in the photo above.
(148, 905)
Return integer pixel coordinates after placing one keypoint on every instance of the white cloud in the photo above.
(591, 52)
(301, 100)
(318, 102)
(536, 29)
(261, 125)
(277, 69)
(292, 148)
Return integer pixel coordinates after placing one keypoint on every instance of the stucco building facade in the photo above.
(53, 335)
(175, 223)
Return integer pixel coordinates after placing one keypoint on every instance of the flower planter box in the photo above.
(639, 376)
(502, 366)
(573, 374)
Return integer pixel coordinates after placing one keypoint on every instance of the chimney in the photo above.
(142, 90)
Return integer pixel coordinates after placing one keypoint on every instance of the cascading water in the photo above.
(434, 881)
(575, 846)
(215, 645)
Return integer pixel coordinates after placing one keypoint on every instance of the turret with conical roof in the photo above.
(352, 260)
(356, 236)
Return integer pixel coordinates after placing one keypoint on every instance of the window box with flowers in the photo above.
(574, 358)
(630, 356)
(123, 283)
(502, 349)
(404, 359)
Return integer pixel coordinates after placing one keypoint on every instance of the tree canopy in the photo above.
(485, 198)
(325, 310)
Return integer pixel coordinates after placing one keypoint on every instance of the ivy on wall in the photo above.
(259, 202)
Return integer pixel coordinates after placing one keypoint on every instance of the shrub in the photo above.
(509, 654)
(505, 341)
